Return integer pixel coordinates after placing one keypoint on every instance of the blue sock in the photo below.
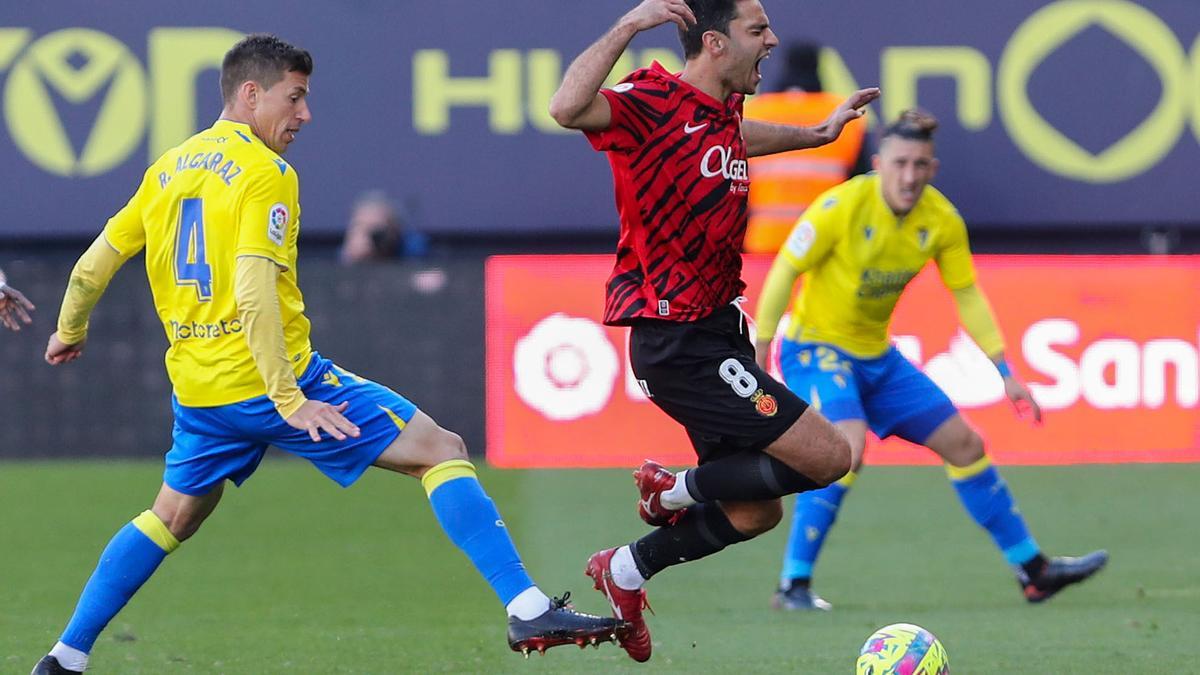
(126, 563)
(815, 514)
(469, 517)
(986, 497)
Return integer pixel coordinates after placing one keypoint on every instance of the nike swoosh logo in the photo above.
(689, 129)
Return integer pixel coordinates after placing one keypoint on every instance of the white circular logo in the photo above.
(565, 368)
(801, 239)
(277, 220)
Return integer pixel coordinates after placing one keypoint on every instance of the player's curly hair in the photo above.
(710, 15)
(914, 125)
(261, 58)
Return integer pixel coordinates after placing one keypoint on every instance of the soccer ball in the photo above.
(902, 649)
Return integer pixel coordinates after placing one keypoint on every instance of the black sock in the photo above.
(703, 530)
(799, 582)
(1034, 567)
(747, 476)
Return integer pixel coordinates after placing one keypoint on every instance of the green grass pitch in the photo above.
(293, 574)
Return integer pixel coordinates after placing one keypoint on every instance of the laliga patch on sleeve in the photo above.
(277, 222)
(801, 239)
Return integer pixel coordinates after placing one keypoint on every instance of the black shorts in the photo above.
(703, 374)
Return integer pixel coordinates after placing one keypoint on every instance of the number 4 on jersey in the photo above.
(190, 266)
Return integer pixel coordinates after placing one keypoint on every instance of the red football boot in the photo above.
(627, 606)
(652, 480)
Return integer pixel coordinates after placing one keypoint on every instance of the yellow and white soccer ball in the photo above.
(902, 649)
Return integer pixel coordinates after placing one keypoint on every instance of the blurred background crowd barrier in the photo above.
(415, 328)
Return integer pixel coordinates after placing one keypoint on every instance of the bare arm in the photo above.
(763, 138)
(578, 103)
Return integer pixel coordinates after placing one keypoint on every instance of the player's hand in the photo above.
(59, 352)
(317, 416)
(1022, 400)
(850, 110)
(653, 13)
(14, 308)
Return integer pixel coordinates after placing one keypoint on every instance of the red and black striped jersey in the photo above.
(679, 165)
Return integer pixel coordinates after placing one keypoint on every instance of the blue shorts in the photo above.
(228, 441)
(891, 394)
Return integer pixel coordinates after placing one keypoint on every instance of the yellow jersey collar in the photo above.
(240, 128)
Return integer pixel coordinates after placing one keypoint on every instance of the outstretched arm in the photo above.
(578, 103)
(95, 268)
(14, 307)
(764, 138)
(262, 321)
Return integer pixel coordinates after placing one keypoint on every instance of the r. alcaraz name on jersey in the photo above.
(219, 195)
(679, 165)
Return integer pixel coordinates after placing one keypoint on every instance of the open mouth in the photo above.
(758, 64)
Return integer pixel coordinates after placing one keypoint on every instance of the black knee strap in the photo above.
(746, 476)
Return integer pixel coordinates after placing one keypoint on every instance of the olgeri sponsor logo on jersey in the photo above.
(721, 161)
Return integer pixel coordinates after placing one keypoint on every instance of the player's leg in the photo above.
(702, 530)
(906, 403)
(206, 451)
(983, 492)
(708, 516)
(129, 559)
(810, 447)
(394, 435)
(470, 518)
(830, 380)
(467, 514)
(704, 376)
(987, 498)
(768, 441)
(814, 515)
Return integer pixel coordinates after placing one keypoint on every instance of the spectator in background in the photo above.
(785, 184)
(14, 307)
(377, 231)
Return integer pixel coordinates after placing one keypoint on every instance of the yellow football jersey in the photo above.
(219, 195)
(857, 257)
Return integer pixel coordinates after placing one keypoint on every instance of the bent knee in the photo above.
(837, 460)
(181, 525)
(447, 446)
(967, 449)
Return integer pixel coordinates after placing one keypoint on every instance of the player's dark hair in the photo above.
(261, 58)
(710, 15)
(912, 125)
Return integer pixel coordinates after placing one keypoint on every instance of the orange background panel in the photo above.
(1108, 345)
